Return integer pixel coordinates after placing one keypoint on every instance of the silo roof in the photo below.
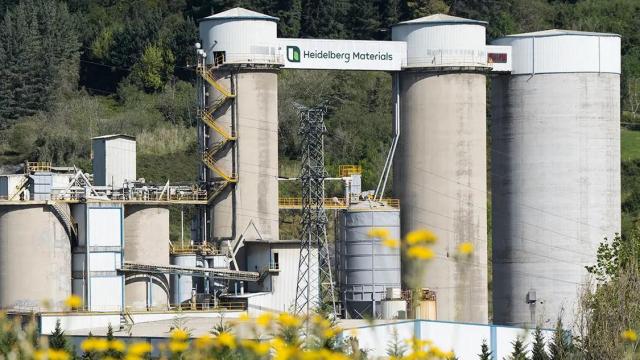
(560, 32)
(442, 19)
(239, 13)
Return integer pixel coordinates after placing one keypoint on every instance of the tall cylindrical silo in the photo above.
(366, 268)
(440, 164)
(146, 241)
(242, 133)
(555, 170)
(35, 258)
(182, 285)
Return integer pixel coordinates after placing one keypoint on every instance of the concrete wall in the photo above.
(440, 179)
(146, 241)
(256, 195)
(556, 188)
(35, 258)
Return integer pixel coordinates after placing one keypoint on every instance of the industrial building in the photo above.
(555, 186)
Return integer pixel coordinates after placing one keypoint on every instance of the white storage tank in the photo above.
(440, 164)
(182, 285)
(555, 170)
(242, 44)
(35, 259)
(366, 268)
(146, 241)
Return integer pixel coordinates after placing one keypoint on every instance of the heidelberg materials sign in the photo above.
(343, 54)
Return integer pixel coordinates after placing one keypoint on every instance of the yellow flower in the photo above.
(630, 336)
(100, 345)
(73, 302)
(465, 248)
(391, 243)
(53, 354)
(179, 335)
(264, 319)
(88, 345)
(380, 233)
(420, 252)
(204, 341)
(420, 236)
(140, 348)
(178, 346)
(244, 317)
(288, 320)
(226, 339)
(328, 333)
(261, 348)
(116, 345)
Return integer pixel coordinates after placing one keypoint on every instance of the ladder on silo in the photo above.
(65, 219)
(228, 137)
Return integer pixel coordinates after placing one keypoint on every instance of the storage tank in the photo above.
(555, 170)
(366, 268)
(242, 45)
(146, 241)
(440, 163)
(182, 285)
(35, 258)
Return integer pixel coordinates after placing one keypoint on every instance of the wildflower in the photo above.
(420, 252)
(140, 348)
(328, 333)
(179, 335)
(204, 341)
(178, 346)
(244, 317)
(264, 319)
(288, 320)
(261, 348)
(73, 302)
(88, 345)
(391, 243)
(420, 236)
(116, 345)
(380, 233)
(100, 345)
(226, 339)
(465, 248)
(630, 336)
(53, 354)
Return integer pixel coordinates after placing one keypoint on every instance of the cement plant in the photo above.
(554, 179)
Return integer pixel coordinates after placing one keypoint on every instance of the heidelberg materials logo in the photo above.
(293, 53)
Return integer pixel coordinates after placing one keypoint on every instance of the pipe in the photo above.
(382, 183)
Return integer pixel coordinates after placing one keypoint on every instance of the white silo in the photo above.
(241, 151)
(440, 164)
(555, 170)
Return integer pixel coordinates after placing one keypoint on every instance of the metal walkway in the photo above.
(190, 271)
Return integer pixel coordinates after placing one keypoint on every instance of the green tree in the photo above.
(519, 352)
(396, 347)
(57, 339)
(561, 346)
(485, 354)
(290, 14)
(154, 69)
(364, 22)
(323, 18)
(538, 351)
(419, 8)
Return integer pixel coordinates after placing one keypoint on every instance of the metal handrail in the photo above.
(348, 170)
(37, 166)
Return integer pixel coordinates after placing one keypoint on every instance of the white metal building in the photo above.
(114, 160)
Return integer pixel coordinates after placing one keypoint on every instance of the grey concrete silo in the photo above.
(242, 45)
(555, 170)
(440, 165)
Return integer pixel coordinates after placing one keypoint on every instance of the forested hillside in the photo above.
(70, 70)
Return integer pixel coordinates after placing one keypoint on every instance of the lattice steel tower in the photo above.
(315, 283)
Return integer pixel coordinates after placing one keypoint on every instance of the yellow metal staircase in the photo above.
(228, 136)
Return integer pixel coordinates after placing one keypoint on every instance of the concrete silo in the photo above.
(146, 241)
(365, 267)
(239, 131)
(440, 164)
(35, 258)
(555, 170)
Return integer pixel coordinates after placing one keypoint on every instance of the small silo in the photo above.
(365, 267)
(555, 170)
(242, 131)
(440, 164)
(35, 258)
(182, 285)
(146, 241)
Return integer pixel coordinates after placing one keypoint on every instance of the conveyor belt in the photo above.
(190, 271)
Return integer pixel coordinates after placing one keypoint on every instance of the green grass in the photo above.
(629, 144)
